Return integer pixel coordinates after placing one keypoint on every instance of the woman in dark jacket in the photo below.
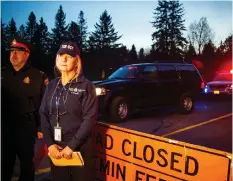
(68, 113)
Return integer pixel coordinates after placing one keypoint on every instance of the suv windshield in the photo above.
(223, 77)
(127, 72)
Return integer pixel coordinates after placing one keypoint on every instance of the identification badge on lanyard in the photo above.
(57, 133)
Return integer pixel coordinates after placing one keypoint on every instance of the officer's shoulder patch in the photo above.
(46, 81)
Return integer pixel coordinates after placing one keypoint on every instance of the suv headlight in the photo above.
(100, 91)
(206, 90)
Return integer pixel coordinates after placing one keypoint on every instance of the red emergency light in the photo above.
(132, 67)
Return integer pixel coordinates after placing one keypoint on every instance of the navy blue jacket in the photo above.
(77, 111)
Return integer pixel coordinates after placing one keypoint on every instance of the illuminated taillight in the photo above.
(231, 71)
(202, 85)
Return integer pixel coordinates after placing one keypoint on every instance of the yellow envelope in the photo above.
(76, 160)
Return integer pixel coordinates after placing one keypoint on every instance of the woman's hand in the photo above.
(54, 151)
(67, 152)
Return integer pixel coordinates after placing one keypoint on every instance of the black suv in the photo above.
(148, 85)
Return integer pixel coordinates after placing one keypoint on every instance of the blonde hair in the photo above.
(79, 65)
(78, 68)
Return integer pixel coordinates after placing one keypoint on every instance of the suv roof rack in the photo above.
(167, 61)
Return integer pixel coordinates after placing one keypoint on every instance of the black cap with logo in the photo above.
(69, 48)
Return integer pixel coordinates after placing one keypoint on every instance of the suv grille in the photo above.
(218, 86)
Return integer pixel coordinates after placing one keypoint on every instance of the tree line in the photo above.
(101, 51)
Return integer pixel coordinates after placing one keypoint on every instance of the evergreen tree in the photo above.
(11, 30)
(43, 37)
(228, 51)
(104, 35)
(91, 43)
(59, 33)
(4, 45)
(22, 32)
(3, 36)
(228, 45)
(74, 33)
(161, 25)
(83, 32)
(133, 57)
(208, 57)
(220, 51)
(224, 54)
(41, 46)
(176, 26)
(221, 47)
(141, 55)
(169, 24)
(219, 55)
(208, 54)
(190, 54)
(123, 53)
(209, 49)
(31, 28)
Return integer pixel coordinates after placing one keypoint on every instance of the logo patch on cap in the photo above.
(68, 47)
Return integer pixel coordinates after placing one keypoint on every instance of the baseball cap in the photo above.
(69, 48)
(18, 43)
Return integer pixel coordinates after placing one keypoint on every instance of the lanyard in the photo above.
(57, 106)
(58, 100)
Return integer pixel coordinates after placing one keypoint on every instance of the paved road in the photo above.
(210, 125)
(163, 122)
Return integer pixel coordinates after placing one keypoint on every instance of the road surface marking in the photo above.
(196, 125)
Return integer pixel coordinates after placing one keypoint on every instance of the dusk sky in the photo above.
(130, 18)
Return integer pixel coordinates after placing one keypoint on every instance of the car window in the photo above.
(126, 72)
(149, 73)
(188, 72)
(167, 72)
(223, 77)
(186, 67)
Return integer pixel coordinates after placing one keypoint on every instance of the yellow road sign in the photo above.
(123, 154)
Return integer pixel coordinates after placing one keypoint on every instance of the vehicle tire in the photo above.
(119, 109)
(186, 104)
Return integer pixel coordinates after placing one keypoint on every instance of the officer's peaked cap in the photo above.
(17, 43)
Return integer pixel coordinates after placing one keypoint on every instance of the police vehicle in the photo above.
(221, 84)
(149, 85)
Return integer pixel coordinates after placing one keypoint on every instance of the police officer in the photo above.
(68, 114)
(22, 90)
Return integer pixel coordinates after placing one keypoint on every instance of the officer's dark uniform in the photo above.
(22, 92)
(77, 104)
